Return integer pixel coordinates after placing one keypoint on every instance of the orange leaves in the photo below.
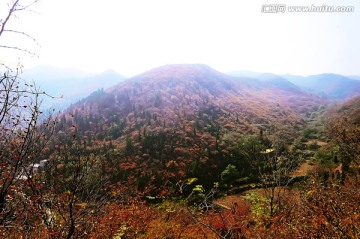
(128, 165)
(131, 220)
(172, 164)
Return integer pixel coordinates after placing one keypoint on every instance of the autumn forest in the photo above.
(181, 151)
(178, 151)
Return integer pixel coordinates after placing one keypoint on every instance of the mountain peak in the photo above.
(184, 75)
(180, 70)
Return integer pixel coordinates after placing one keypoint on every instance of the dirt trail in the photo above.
(318, 142)
(303, 169)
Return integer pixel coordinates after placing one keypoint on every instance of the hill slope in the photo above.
(350, 108)
(175, 121)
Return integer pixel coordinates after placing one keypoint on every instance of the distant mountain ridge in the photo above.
(354, 77)
(272, 80)
(68, 85)
(331, 86)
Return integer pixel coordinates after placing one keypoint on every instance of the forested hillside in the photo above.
(179, 121)
(203, 153)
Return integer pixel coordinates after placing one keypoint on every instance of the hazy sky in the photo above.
(131, 36)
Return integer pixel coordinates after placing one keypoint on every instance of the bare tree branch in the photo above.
(19, 49)
(13, 7)
(24, 34)
(7, 18)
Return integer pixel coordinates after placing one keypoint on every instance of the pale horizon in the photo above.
(131, 37)
(89, 72)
